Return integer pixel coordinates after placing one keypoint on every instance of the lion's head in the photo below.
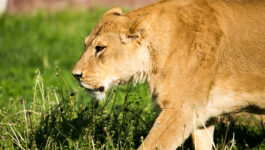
(115, 53)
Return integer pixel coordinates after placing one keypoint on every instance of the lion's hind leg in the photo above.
(203, 138)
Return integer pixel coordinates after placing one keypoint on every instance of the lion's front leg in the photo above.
(170, 129)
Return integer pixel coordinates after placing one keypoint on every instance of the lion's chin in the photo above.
(97, 94)
(100, 95)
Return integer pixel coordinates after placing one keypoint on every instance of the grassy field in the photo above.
(42, 106)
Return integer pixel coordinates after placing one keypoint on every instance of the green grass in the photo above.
(42, 106)
(42, 41)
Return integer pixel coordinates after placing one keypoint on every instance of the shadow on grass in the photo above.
(123, 125)
(248, 133)
(59, 128)
(94, 126)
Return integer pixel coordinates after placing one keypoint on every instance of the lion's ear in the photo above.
(114, 10)
(140, 26)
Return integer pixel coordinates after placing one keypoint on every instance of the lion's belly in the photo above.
(223, 101)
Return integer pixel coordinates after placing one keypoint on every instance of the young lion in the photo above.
(201, 59)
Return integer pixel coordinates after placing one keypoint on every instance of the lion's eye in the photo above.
(99, 49)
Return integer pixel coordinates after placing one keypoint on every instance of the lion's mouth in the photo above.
(100, 89)
(91, 89)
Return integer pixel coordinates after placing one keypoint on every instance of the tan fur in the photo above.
(201, 59)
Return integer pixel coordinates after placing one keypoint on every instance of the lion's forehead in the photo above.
(105, 28)
(102, 39)
(111, 23)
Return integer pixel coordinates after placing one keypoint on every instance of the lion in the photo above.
(201, 59)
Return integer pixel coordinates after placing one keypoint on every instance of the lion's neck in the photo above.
(161, 40)
(157, 60)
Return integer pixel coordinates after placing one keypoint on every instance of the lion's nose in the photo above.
(77, 76)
